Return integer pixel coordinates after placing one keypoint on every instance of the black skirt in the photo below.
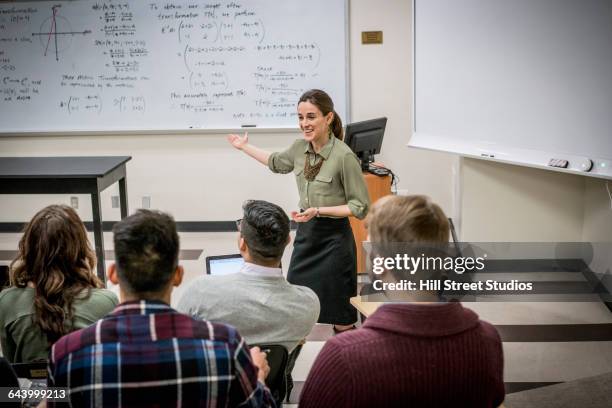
(324, 259)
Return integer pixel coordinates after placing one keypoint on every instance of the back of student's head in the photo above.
(410, 225)
(407, 219)
(56, 257)
(146, 251)
(265, 229)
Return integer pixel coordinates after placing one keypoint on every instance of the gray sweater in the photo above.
(264, 309)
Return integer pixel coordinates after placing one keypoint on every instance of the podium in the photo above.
(377, 187)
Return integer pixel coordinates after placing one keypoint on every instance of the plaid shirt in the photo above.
(147, 354)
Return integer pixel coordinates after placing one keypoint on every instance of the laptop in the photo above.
(223, 264)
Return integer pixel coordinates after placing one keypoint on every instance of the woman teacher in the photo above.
(331, 188)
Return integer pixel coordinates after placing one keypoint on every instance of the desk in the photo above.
(68, 175)
(365, 308)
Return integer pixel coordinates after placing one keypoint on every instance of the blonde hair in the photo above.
(407, 219)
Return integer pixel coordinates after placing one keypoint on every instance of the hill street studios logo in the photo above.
(490, 271)
(448, 269)
(439, 266)
(436, 266)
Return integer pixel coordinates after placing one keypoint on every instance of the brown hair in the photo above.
(55, 255)
(321, 100)
(407, 219)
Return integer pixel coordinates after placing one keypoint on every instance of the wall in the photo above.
(597, 211)
(381, 78)
(506, 203)
(502, 202)
(201, 178)
(598, 228)
(195, 177)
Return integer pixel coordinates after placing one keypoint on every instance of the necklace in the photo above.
(311, 170)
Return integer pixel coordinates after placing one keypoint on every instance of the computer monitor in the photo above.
(365, 139)
(223, 264)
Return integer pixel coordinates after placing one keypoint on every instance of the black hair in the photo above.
(265, 228)
(146, 251)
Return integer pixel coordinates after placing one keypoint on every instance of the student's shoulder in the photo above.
(304, 293)
(9, 293)
(215, 331)
(15, 299)
(73, 342)
(95, 303)
(209, 283)
(15, 292)
(347, 346)
(360, 341)
(104, 296)
(489, 332)
(6, 298)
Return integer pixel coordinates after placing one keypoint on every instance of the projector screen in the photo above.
(527, 82)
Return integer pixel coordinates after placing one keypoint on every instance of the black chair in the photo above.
(8, 378)
(278, 356)
(293, 356)
(4, 277)
(36, 370)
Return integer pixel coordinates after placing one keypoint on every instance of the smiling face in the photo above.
(314, 125)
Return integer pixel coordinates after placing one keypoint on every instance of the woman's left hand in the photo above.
(304, 216)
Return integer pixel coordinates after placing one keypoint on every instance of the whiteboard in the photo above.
(521, 81)
(106, 65)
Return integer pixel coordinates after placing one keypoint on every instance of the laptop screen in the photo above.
(223, 264)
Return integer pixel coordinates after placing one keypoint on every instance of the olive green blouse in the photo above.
(22, 341)
(339, 181)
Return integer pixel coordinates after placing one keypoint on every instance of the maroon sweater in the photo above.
(415, 355)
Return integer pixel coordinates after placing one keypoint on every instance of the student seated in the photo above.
(54, 290)
(147, 354)
(257, 299)
(417, 351)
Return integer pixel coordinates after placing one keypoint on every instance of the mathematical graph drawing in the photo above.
(60, 37)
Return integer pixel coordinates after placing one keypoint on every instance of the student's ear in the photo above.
(112, 274)
(178, 275)
(329, 118)
(242, 245)
(288, 239)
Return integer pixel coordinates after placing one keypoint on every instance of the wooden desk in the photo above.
(377, 187)
(68, 175)
(365, 308)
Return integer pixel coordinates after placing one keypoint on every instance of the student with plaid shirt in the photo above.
(147, 354)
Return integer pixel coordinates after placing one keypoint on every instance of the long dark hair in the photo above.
(321, 100)
(55, 255)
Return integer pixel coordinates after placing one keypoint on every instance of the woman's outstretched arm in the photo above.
(242, 143)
